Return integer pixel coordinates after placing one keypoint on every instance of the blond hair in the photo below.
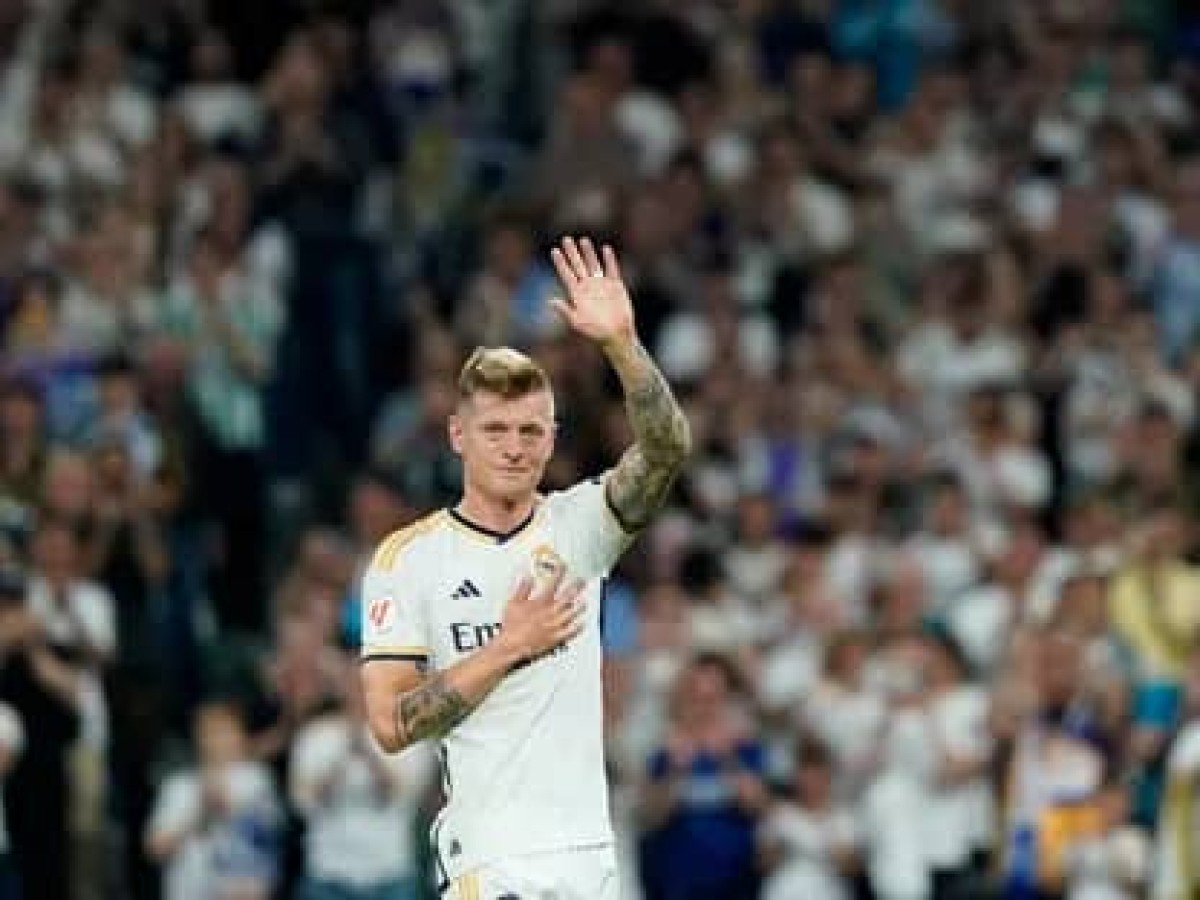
(503, 371)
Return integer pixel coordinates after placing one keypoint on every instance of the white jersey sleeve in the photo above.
(591, 536)
(393, 616)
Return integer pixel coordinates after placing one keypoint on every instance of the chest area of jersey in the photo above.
(468, 595)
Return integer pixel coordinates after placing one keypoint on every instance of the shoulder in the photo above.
(576, 492)
(399, 544)
(180, 787)
(588, 497)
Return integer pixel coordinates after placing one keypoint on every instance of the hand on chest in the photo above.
(470, 597)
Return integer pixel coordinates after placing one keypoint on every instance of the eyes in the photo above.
(530, 433)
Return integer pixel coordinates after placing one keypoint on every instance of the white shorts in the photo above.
(584, 874)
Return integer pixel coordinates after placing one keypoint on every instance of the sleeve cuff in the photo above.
(626, 530)
(402, 654)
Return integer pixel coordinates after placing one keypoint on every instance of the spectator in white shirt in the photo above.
(78, 619)
(755, 563)
(693, 340)
(945, 549)
(845, 713)
(214, 104)
(809, 843)
(983, 618)
(960, 817)
(215, 827)
(792, 660)
(359, 805)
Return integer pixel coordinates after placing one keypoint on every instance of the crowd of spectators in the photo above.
(922, 620)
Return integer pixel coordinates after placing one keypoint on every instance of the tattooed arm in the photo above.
(597, 305)
(638, 486)
(405, 706)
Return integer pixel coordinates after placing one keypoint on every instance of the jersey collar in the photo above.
(500, 537)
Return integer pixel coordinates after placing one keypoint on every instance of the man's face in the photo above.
(55, 553)
(504, 444)
(702, 695)
(220, 737)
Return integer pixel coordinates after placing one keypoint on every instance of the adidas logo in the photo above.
(465, 590)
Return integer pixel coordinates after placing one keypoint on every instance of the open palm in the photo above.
(597, 302)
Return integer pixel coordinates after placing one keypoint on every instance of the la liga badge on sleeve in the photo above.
(382, 613)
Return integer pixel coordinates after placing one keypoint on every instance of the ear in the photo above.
(454, 429)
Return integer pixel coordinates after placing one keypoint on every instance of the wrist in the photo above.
(620, 344)
(507, 653)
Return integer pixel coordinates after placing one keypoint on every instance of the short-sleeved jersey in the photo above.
(524, 772)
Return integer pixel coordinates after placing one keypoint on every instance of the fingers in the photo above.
(575, 629)
(563, 267)
(590, 259)
(523, 589)
(549, 587)
(568, 597)
(569, 618)
(574, 588)
(612, 268)
(576, 260)
(552, 619)
(578, 265)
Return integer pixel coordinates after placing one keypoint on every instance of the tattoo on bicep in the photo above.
(430, 710)
(636, 490)
(639, 484)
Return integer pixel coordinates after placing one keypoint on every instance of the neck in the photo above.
(499, 515)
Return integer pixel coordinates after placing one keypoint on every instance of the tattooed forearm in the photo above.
(638, 486)
(430, 710)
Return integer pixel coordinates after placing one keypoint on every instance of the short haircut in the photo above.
(503, 371)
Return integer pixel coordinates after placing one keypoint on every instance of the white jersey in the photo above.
(524, 772)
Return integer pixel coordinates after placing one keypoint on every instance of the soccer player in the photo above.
(481, 623)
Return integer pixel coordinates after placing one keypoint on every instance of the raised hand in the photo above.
(597, 303)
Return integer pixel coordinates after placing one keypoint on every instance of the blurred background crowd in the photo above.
(922, 621)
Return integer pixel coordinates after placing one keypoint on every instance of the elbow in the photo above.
(381, 718)
(671, 454)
